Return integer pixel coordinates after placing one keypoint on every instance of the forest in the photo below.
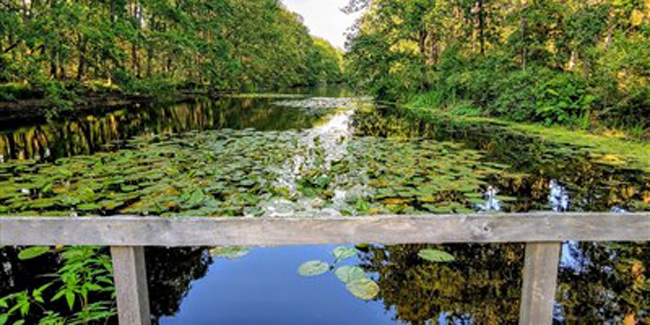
(59, 49)
(579, 63)
(529, 120)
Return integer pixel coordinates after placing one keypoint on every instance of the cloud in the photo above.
(324, 18)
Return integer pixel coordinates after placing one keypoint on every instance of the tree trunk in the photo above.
(82, 58)
(62, 68)
(53, 67)
(608, 41)
(136, 60)
(481, 25)
(433, 55)
(150, 54)
(572, 60)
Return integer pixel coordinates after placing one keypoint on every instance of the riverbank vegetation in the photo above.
(57, 50)
(575, 63)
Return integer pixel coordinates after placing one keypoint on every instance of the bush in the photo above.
(537, 94)
(543, 95)
(148, 87)
(15, 91)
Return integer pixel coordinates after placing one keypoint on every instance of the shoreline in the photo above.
(31, 109)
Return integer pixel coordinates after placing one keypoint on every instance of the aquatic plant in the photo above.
(84, 282)
(357, 282)
(355, 279)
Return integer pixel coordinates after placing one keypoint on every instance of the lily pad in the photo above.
(229, 252)
(313, 268)
(365, 289)
(435, 255)
(349, 274)
(344, 252)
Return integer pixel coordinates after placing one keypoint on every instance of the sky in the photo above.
(324, 18)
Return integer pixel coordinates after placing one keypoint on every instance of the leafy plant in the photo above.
(84, 282)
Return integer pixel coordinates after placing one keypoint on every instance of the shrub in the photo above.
(543, 95)
(16, 91)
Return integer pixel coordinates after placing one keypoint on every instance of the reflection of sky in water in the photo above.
(325, 143)
(264, 287)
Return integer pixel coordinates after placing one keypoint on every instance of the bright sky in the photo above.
(324, 18)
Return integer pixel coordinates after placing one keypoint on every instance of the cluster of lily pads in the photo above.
(417, 175)
(241, 173)
(355, 278)
(217, 173)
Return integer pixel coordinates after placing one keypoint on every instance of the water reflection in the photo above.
(83, 135)
(592, 184)
(170, 272)
(599, 282)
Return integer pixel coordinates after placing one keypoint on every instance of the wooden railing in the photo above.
(543, 234)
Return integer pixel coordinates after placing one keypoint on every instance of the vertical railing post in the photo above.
(131, 284)
(540, 279)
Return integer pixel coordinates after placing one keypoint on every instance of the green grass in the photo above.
(609, 149)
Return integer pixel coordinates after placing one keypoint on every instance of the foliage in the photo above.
(84, 282)
(554, 62)
(15, 91)
(150, 47)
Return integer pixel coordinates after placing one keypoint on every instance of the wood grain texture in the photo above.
(540, 281)
(395, 229)
(130, 275)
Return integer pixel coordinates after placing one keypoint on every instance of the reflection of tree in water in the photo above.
(89, 134)
(606, 282)
(593, 186)
(482, 286)
(170, 271)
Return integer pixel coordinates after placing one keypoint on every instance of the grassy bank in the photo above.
(540, 113)
(609, 148)
(52, 98)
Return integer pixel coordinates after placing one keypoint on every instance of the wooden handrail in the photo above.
(389, 229)
(127, 235)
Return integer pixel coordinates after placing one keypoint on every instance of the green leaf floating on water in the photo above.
(32, 252)
(196, 198)
(313, 268)
(363, 289)
(229, 252)
(344, 252)
(86, 194)
(349, 274)
(435, 255)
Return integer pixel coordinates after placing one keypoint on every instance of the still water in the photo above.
(325, 153)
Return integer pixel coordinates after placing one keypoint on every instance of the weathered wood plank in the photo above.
(481, 228)
(540, 280)
(131, 284)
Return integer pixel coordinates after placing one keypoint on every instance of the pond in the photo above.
(330, 153)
